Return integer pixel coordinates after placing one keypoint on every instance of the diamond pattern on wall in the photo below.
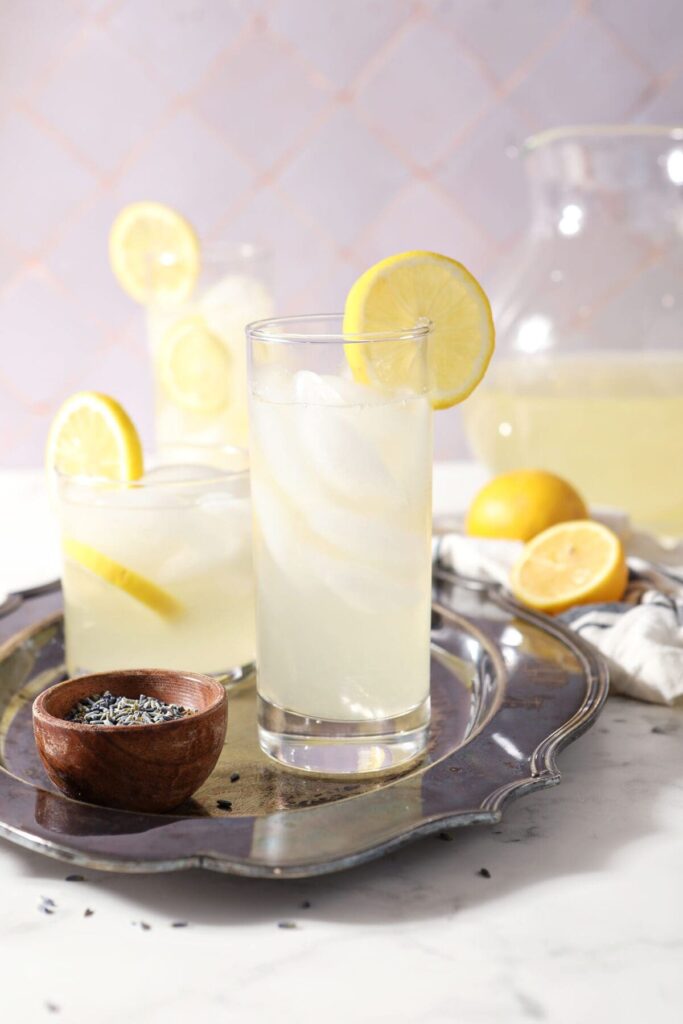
(271, 219)
(334, 131)
(123, 370)
(126, 103)
(343, 178)
(503, 35)
(486, 174)
(90, 281)
(42, 183)
(666, 105)
(189, 166)
(238, 99)
(49, 341)
(652, 31)
(585, 78)
(422, 217)
(33, 36)
(339, 37)
(421, 113)
(180, 39)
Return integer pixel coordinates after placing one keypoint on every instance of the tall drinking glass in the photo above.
(341, 462)
(198, 351)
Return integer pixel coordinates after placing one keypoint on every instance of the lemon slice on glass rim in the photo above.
(154, 253)
(412, 287)
(93, 436)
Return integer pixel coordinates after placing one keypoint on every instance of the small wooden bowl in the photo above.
(135, 767)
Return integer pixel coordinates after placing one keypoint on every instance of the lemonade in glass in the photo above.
(341, 460)
(198, 297)
(341, 478)
(198, 352)
(157, 568)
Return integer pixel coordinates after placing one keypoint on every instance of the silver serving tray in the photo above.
(509, 690)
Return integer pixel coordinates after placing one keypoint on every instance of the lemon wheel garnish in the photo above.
(154, 253)
(92, 435)
(194, 366)
(398, 292)
(127, 580)
(579, 562)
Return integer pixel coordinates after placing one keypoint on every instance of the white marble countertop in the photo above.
(581, 919)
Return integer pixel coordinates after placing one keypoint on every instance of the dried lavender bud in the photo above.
(106, 709)
(46, 905)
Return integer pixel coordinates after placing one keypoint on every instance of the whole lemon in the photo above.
(521, 504)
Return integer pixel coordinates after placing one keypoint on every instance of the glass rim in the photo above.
(213, 474)
(602, 131)
(267, 330)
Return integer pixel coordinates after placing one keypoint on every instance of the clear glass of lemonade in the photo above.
(341, 490)
(197, 347)
(158, 573)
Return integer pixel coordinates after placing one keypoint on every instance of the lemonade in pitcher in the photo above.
(587, 380)
(612, 424)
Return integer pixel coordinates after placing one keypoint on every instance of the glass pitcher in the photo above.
(587, 379)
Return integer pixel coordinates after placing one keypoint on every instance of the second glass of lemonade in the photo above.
(157, 572)
(341, 462)
(198, 351)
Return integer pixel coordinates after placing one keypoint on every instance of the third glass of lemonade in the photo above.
(158, 571)
(341, 456)
(197, 347)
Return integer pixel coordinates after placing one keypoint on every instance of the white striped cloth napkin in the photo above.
(641, 637)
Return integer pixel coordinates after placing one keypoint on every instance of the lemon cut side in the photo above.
(573, 563)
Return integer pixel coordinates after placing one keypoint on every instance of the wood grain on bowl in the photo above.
(139, 767)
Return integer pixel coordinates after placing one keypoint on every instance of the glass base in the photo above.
(325, 747)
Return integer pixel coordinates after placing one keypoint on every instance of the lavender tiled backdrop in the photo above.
(335, 131)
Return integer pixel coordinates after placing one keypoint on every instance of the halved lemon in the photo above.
(194, 366)
(92, 435)
(580, 562)
(398, 292)
(135, 585)
(154, 253)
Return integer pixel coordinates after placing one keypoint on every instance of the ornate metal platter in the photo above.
(509, 689)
